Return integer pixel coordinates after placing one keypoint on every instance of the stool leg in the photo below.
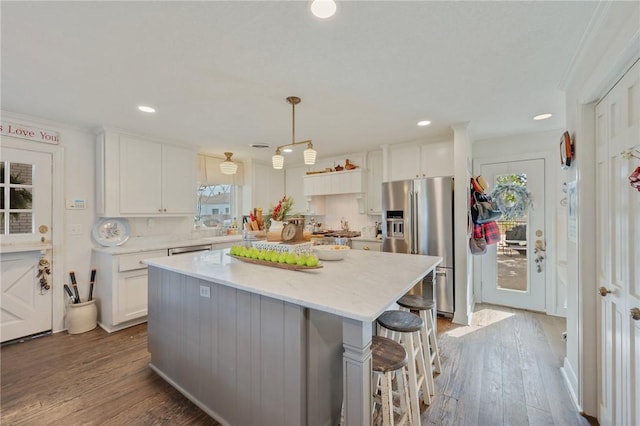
(433, 342)
(426, 351)
(387, 400)
(404, 397)
(408, 342)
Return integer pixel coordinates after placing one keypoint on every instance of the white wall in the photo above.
(613, 45)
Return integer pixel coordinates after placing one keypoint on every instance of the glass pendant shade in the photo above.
(309, 155)
(277, 161)
(228, 167)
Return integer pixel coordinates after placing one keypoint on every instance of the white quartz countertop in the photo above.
(360, 287)
(135, 245)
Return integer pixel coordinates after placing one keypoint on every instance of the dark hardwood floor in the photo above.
(94, 378)
(501, 370)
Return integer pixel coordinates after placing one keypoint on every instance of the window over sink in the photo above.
(216, 205)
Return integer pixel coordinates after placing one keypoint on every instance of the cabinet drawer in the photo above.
(131, 262)
(366, 245)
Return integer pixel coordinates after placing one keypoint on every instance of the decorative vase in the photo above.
(275, 230)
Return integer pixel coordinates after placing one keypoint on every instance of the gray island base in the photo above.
(256, 345)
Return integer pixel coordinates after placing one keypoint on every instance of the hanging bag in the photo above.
(477, 246)
(484, 209)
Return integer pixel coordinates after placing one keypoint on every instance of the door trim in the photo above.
(551, 200)
(57, 221)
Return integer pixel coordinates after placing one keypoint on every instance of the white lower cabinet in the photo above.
(366, 245)
(121, 288)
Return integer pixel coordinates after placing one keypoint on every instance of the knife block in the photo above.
(82, 317)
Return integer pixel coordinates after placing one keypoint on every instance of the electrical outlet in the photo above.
(75, 229)
(205, 291)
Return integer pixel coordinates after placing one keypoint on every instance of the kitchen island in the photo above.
(256, 345)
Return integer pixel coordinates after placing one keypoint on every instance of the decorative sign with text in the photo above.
(27, 132)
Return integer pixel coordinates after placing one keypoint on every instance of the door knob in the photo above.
(635, 313)
(604, 291)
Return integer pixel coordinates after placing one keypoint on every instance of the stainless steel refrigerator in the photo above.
(417, 218)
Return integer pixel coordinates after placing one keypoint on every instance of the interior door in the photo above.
(618, 238)
(513, 270)
(25, 217)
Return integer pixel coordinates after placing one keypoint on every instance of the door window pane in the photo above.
(16, 198)
(21, 223)
(512, 263)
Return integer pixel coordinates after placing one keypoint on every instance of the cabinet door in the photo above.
(267, 187)
(374, 183)
(178, 180)
(131, 296)
(294, 187)
(140, 176)
(405, 162)
(436, 159)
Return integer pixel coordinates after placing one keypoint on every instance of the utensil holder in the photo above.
(82, 317)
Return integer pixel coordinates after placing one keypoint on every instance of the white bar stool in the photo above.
(426, 311)
(408, 327)
(388, 358)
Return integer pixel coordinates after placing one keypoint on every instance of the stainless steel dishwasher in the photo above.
(189, 249)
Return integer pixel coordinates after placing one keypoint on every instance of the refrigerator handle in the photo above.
(416, 227)
(412, 222)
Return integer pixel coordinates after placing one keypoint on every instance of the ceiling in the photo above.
(218, 72)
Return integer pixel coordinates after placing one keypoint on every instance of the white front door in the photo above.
(25, 217)
(618, 251)
(513, 271)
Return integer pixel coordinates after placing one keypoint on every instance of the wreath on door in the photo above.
(512, 199)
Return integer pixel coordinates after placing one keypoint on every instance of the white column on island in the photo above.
(356, 339)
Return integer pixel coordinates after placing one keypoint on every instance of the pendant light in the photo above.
(228, 167)
(309, 154)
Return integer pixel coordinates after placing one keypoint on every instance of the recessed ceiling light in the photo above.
(543, 116)
(146, 108)
(323, 9)
(287, 149)
(424, 123)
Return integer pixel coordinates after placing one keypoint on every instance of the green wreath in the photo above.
(512, 199)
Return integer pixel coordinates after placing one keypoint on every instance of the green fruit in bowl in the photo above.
(292, 259)
(302, 260)
(282, 258)
(274, 256)
(312, 260)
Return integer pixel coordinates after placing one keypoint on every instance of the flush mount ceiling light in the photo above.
(228, 167)
(309, 154)
(146, 108)
(323, 9)
(423, 123)
(543, 116)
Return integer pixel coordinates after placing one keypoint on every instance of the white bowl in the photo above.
(331, 252)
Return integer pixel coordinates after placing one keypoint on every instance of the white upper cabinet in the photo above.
(140, 177)
(421, 160)
(344, 182)
(264, 187)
